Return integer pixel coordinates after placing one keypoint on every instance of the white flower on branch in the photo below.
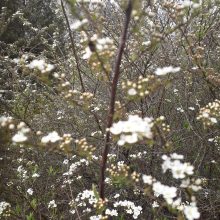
(19, 138)
(132, 130)
(51, 137)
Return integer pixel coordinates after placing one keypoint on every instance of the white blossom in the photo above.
(132, 92)
(147, 179)
(155, 204)
(179, 170)
(132, 130)
(35, 175)
(96, 217)
(51, 137)
(87, 54)
(191, 212)
(112, 212)
(166, 70)
(130, 208)
(168, 192)
(19, 138)
(40, 65)
(30, 191)
(52, 204)
(3, 207)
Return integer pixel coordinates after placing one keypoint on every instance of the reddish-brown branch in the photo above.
(116, 72)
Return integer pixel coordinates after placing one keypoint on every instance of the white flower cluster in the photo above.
(73, 167)
(52, 204)
(3, 207)
(194, 185)
(101, 44)
(35, 175)
(168, 192)
(95, 217)
(132, 130)
(40, 65)
(166, 70)
(179, 170)
(130, 208)
(86, 195)
(210, 114)
(112, 212)
(138, 155)
(191, 211)
(20, 136)
(52, 137)
(77, 24)
(4, 121)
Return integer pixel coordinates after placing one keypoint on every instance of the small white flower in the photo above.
(87, 54)
(146, 43)
(66, 161)
(213, 120)
(191, 212)
(132, 92)
(116, 196)
(155, 204)
(30, 191)
(96, 217)
(35, 175)
(52, 204)
(191, 108)
(147, 179)
(72, 211)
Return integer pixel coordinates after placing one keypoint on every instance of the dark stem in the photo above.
(116, 72)
(73, 46)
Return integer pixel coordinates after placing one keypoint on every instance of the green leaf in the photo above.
(18, 210)
(34, 203)
(186, 125)
(30, 216)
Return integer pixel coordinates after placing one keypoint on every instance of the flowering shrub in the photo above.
(109, 109)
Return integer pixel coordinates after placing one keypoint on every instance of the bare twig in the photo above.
(73, 46)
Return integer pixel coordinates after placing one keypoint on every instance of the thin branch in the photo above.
(73, 46)
(113, 97)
